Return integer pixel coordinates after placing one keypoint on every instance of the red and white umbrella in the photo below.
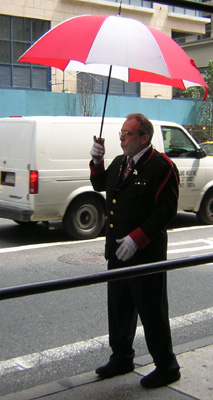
(132, 51)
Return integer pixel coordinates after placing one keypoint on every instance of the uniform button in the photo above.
(114, 201)
(112, 212)
(111, 226)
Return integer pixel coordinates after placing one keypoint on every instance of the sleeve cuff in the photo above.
(139, 238)
(96, 169)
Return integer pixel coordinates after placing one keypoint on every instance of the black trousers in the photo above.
(145, 296)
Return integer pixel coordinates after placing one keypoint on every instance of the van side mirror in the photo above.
(200, 153)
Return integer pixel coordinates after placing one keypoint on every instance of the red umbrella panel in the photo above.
(116, 41)
(140, 52)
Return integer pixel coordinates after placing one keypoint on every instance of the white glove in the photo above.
(97, 151)
(126, 249)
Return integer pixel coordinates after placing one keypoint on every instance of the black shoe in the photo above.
(158, 378)
(115, 368)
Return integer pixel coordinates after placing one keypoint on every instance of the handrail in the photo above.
(100, 277)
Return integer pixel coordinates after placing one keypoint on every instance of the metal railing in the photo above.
(100, 277)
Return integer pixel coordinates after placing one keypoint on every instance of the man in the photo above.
(140, 202)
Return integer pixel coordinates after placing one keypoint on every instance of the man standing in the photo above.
(141, 199)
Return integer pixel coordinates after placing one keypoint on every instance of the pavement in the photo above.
(195, 359)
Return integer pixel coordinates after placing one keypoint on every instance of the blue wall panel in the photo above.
(26, 103)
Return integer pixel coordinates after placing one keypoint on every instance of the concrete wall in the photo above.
(200, 52)
(26, 103)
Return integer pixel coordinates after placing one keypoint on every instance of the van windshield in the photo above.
(177, 143)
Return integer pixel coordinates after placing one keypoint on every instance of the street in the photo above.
(54, 335)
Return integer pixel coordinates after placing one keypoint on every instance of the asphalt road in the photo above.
(45, 337)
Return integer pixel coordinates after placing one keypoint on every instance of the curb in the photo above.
(78, 381)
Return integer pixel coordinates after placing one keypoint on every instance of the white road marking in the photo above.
(43, 245)
(205, 244)
(190, 228)
(46, 357)
(194, 245)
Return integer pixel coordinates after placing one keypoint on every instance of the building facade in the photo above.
(24, 21)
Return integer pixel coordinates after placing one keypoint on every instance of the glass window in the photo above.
(91, 83)
(138, 3)
(208, 147)
(21, 77)
(180, 10)
(39, 27)
(18, 49)
(116, 86)
(21, 29)
(148, 4)
(177, 143)
(16, 36)
(4, 27)
(190, 12)
(5, 55)
(5, 76)
(131, 88)
(39, 77)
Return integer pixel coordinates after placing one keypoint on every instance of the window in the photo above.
(96, 84)
(138, 3)
(208, 147)
(180, 10)
(177, 143)
(16, 36)
(182, 37)
(208, 32)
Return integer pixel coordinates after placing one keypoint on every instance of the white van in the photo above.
(44, 170)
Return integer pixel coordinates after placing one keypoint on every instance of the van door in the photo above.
(187, 156)
(16, 138)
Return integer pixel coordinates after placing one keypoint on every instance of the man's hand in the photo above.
(97, 151)
(126, 249)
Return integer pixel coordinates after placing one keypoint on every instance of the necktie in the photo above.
(129, 167)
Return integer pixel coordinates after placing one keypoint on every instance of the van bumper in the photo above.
(14, 213)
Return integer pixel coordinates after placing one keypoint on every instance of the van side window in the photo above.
(177, 143)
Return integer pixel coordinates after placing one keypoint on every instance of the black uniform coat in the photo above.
(142, 205)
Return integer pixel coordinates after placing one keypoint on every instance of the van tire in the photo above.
(205, 213)
(84, 218)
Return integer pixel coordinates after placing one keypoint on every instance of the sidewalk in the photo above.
(195, 359)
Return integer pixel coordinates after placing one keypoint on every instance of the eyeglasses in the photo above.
(126, 133)
(129, 134)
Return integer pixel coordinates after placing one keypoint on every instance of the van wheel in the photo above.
(205, 213)
(85, 218)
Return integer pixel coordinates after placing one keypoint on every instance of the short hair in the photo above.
(145, 126)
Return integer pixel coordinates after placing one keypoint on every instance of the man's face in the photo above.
(132, 143)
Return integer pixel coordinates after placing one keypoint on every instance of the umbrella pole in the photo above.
(105, 102)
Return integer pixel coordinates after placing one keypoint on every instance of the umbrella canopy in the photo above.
(120, 47)
(146, 54)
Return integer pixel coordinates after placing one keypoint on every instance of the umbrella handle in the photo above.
(106, 97)
(99, 140)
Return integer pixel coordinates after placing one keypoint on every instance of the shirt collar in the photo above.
(140, 154)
